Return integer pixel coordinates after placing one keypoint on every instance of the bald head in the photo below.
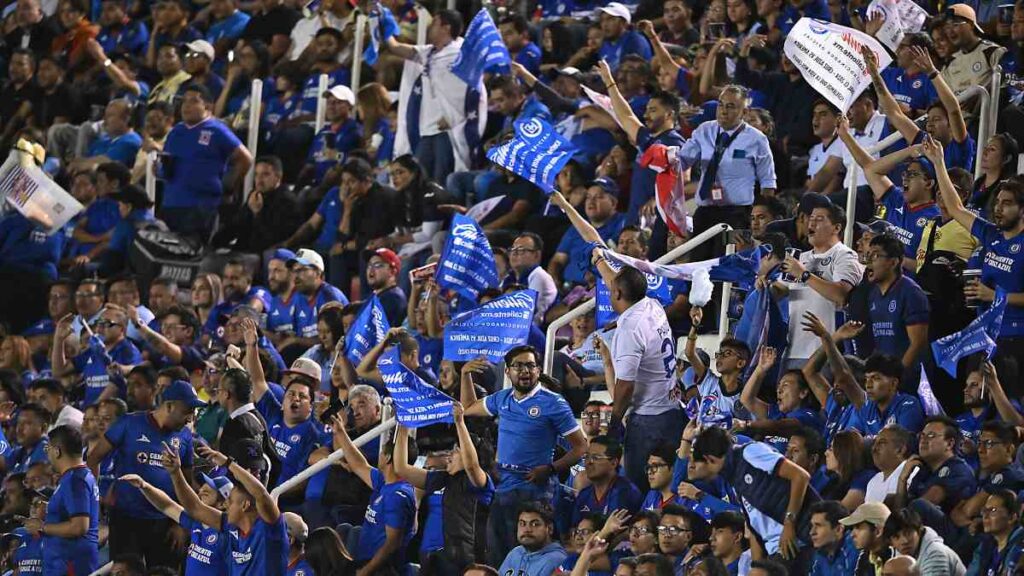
(901, 566)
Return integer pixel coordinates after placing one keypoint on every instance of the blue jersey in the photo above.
(904, 410)
(294, 444)
(229, 28)
(93, 363)
(805, 416)
(1002, 266)
(432, 530)
(221, 312)
(311, 89)
(22, 458)
(100, 217)
(1010, 478)
(908, 223)
(621, 494)
(631, 42)
(654, 501)
(279, 315)
(278, 109)
(28, 556)
(121, 148)
(299, 568)
(954, 476)
(130, 37)
(391, 506)
(207, 549)
(841, 562)
(578, 250)
(915, 91)
(305, 309)
(717, 405)
(527, 431)
(750, 473)
(331, 210)
(263, 550)
(530, 58)
(76, 495)
(904, 305)
(199, 157)
(331, 146)
(26, 246)
(540, 563)
(138, 445)
(839, 418)
(431, 352)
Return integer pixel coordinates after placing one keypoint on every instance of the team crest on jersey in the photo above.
(921, 222)
(944, 472)
(534, 411)
(176, 443)
(294, 438)
(204, 137)
(1014, 249)
(892, 306)
(916, 84)
(211, 538)
(976, 67)
(748, 479)
(997, 479)
(426, 359)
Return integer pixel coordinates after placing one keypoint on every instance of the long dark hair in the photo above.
(412, 196)
(326, 553)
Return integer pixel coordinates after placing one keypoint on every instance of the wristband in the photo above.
(107, 63)
(609, 86)
(805, 276)
(228, 463)
(933, 75)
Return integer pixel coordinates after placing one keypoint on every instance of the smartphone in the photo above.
(716, 31)
(423, 273)
(1006, 13)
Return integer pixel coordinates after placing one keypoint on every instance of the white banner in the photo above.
(828, 57)
(901, 17)
(601, 101)
(30, 191)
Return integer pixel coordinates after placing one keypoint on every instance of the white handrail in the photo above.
(670, 256)
(321, 104)
(151, 175)
(357, 54)
(386, 424)
(993, 105)
(255, 107)
(851, 188)
(723, 316)
(105, 569)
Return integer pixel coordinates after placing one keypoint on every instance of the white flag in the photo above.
(828, 57)
(30, 191)
(901, 17)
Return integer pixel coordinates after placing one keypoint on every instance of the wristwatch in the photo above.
(789, 516)
(805, 276)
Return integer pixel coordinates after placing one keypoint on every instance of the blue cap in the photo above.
(283, 254)
(221, 484)
(605, 183)
(44, 327)
(926, 165)
(181, 391)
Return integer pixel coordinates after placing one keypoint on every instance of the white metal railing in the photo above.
(321, 104)
(357, 53)
(255, 109)
(993, 113)
(387, 422)
(151, 176)
(985, 129)
(670, 256)
(105, 569)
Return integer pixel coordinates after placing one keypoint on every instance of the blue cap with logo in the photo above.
(181, 391)
(221, 484)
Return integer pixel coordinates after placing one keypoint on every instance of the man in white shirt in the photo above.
(868, 127)
(889, 452)
(820, 280)
(644, 361)
(524, 257)
(337, 14)
(440, 118)
(825, 161)
(50, 394)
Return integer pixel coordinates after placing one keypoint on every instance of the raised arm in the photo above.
(409, 472)
(587, 232)
(252, 360)
(183, 491)
(1005, 408)
(623, 113)
(368, 365)
(403, 51)
(357, 463)
(467, 451)
(155, 496)
(957, 124)
(58, 360)
(759, 408)
(472, 405)
(879, 181)
(932, 149)
(893, 113)
(661, 53)
(699, 368)
(155, 339)
(841, 372)
(266, 506)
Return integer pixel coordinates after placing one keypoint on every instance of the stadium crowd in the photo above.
(177, 352)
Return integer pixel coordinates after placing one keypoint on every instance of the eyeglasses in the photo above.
(655, 467)
(591, 416)
(725, 353)
(106, 324)
(582, 531)
(523, 366)
(640, 531)
(672, 530)
(87, 294)
(596, 457)
(379, 265)
(989, 444)
(521, 249)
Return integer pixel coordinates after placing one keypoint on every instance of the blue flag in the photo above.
(382, 27)
(416, 402)
(492, 329)
(467, 262)
(979, 336)
(483, 50)
(739, 268)
(368, 329)
(657, 288)
(537, 153)
(763, 324)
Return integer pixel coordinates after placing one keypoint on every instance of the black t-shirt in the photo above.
(465, 515)
(513, 191)
(266, 25)
(12, 97)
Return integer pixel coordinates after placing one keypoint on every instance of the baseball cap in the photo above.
(926, 165)
(282, 254)
(202, 47)
(810, 201)
(133, 195)
(389, 256)
(605, 183)
(963, 13)
(572, 72)
(875, 513)
(42, 328)
(308, 257)
(181, 391)
(297, 528)
(618, 10)
(305, 367)
(221, 484)
(248, 453)
(343, 93)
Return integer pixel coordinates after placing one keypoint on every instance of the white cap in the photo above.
(305, 367)
(202, 47)
(307, 257)
(618, 10)
(571, 72)
(343, 93)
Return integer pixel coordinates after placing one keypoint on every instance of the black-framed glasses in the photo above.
(106, 324)
(672, 530)
(725, 353)
(590, 416)
(596, 457)
(583, 532)
(640, 531)
(655, 467)
(523, 366)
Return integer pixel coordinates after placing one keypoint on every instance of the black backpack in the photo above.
(941, 277)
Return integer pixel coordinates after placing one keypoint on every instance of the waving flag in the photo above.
(762, 324)
(979, 336)
(369, 329)
(492, 329)
(537, 153)
(668, 188)
(382, 27)
(467, 262)
(32, 193)
(416, 402)
(482, 51)
(657, 288)
(739, 268)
